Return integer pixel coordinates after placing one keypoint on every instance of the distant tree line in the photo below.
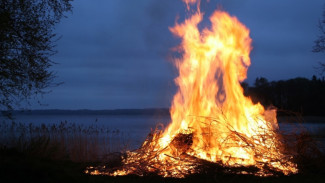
(299, 95)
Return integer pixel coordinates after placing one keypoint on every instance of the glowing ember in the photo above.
(212, 121)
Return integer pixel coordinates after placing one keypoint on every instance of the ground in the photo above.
(19, 167)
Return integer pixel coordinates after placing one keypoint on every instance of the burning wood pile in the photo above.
(214, 126)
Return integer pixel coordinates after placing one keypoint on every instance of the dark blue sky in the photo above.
(116, 53)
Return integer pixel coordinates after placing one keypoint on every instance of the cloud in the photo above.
(114, 54)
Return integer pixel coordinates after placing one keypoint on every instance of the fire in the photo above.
(212, 120)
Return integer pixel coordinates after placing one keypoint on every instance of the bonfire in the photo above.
(213, 125)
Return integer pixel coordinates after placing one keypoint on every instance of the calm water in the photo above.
(122, 122)
(134, 128)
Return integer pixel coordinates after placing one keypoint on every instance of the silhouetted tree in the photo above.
(260, 92)
(27, 40)
(296, 95)
(319, 45)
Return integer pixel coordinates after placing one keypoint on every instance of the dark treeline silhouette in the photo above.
(299, 95)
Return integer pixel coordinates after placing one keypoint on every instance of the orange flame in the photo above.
(191, 2)
(216, 121)
(210, 102)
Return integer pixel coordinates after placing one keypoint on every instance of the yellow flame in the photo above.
(211, 117)
(210, 100)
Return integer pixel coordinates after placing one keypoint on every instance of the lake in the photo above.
(133, 128)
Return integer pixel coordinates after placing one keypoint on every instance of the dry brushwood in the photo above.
(147, 159)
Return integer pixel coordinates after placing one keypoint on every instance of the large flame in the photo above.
(210, 102)
(213, 64)
(212, 120)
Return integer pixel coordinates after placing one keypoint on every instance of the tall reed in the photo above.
(68, 141)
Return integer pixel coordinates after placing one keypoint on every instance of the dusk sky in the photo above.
(116, 53)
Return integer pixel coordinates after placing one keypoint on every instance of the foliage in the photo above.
(27, 40)
(319, 45)
(299, 95)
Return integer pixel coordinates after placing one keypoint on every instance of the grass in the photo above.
(63, 141)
